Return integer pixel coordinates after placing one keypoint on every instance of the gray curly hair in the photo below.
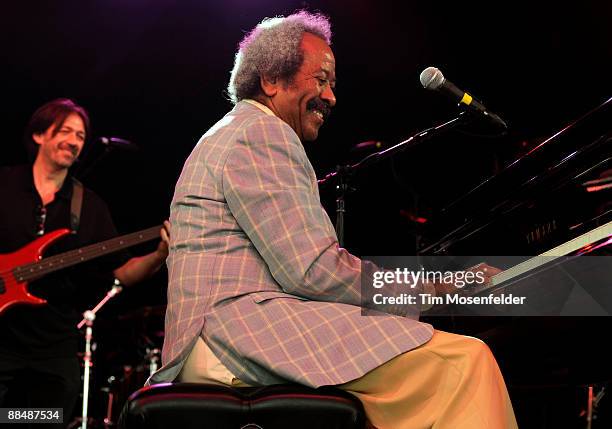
(272, 49)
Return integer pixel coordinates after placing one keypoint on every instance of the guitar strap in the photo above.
(75, 205)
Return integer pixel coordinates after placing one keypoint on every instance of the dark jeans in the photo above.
(40, 383)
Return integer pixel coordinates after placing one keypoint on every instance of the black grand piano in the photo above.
(559, 190)
(549, 205)
(554, 200)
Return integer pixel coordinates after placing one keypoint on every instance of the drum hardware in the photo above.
(130, 372)
(153, 357)
(593, 401)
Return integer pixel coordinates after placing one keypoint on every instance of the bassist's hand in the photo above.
(162, 247)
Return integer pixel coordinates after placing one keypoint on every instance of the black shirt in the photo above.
(50, 330)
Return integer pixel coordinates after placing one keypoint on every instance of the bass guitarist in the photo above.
(38, 344)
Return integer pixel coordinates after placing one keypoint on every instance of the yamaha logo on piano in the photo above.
(540, 232)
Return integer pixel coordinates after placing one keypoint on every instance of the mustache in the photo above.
(320, 105)
(73, 149)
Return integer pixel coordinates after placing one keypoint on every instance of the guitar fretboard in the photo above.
(48, 265)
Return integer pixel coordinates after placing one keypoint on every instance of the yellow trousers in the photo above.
(451, 382)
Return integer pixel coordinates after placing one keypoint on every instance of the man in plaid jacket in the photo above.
(260, 292)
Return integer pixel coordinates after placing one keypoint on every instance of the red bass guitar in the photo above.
(27, 264)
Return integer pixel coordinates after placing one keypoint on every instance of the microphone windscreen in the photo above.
(431, 78)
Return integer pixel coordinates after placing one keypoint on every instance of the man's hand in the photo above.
(481, 270)
(140, 268)
(162, 247)
(487, 271)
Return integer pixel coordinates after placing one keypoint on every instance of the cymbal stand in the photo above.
(88, 318)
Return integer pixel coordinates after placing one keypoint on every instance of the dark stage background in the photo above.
(155, 72)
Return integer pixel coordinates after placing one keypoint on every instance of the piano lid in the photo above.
(523, 191)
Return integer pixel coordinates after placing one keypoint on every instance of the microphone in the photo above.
(433, 79)
(118, 143)
(367, 145)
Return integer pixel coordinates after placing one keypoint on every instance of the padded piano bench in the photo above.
(207, 406)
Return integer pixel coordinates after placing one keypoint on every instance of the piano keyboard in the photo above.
(599, 233)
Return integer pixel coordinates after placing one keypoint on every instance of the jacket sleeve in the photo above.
(269, 186)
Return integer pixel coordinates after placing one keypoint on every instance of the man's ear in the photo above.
(38, 138)
(269, 85)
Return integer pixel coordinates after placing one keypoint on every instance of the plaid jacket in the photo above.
(255, 267)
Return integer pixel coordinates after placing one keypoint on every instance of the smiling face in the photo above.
(61, 144)
(306, 101)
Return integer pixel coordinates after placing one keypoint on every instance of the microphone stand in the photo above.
(88, 318)
(82, 171)
(344, 173)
